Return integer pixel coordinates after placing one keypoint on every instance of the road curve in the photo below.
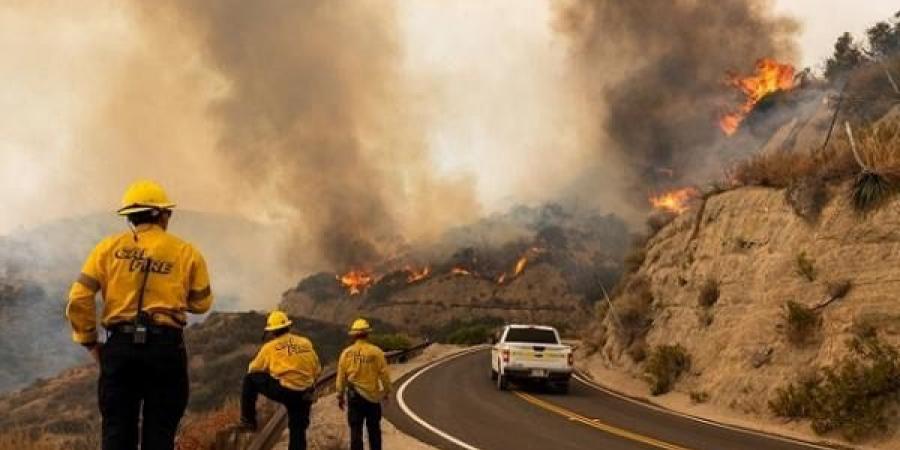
(454, 405)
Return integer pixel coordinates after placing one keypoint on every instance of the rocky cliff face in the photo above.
(761, 254)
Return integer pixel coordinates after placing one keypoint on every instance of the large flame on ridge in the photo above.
(356, 281)
(674, 201)
(770, 76)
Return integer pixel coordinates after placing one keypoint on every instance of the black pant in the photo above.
(142, 380)
(297, 403)
(361, 411)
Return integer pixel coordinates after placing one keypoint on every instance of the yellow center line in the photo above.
(596, 423)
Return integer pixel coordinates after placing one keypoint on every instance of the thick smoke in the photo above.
(654, 74)
(316, 121)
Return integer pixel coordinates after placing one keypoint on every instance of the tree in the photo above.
(884, 39)
(847, 56)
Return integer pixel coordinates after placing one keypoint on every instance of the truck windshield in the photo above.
(531, 336)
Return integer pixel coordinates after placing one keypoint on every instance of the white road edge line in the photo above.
(406, 410)
(594, 385)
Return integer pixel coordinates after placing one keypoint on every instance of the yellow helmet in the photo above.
(277, 320)
(144, 195)
(359, 326)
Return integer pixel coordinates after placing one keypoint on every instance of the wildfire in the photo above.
(674, 201)
(460, 271)
(416, 275)
(770, 76)
(356, 281)
(520, 265)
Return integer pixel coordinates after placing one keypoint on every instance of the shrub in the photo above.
(709, 293)
(466, 332)
(633, 310)
(801, 322)
(390, 342)
(838, 289)
(854, 396)
(806, 267)
(699, 397)
(664, 366)
(869, 191)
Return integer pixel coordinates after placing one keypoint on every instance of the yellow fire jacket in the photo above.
(363, 366)
(177, 282)
(290, 359)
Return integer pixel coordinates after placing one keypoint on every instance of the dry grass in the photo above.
(807, 173)
(856, 397)
(633, 310)
(199, 432)
(18, 440)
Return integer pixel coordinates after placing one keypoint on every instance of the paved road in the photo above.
(457, 398)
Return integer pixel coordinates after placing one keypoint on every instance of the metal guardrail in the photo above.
(271, 432)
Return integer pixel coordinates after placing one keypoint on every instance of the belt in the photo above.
(155, 330)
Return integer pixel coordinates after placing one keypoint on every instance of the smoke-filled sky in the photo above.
(348, 121)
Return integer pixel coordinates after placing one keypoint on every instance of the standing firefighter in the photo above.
(285, 370)
(149, 280)
(363, 382)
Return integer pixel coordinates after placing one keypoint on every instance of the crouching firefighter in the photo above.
(285, 370)
(149, 279)
(363, 382)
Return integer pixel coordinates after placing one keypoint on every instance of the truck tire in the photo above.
(563, 387)
(502, 384)
(493, 374)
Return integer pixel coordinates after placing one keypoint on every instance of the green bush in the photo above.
(854, 397)
(466, 332)
(390, 342)
(801, 323)
(664, 366)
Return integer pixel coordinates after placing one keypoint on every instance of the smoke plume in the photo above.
(653, 73)
(316, 121)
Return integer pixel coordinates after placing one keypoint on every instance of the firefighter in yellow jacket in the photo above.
(149, 280)
(363, 382)
(284, 370)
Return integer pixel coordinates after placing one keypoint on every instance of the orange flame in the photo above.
(770, 76)
(460, 271)
(520, 265)
(414, 275)
(675, 201)
(356, 281)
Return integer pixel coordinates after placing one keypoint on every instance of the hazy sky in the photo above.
(490, 71)
(824, 20)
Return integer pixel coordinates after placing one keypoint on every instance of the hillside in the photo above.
(774, 295)
(62, 411)
(541, 264)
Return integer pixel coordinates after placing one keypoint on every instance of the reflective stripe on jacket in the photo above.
(178, 282)
(364, 367)
(290, 359)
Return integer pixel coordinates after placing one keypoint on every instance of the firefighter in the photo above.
(284, 370)
(149, 279)
(363, 382)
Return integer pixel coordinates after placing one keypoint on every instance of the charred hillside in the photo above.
(531, 265)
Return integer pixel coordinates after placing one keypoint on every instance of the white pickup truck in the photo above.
(530, 353)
